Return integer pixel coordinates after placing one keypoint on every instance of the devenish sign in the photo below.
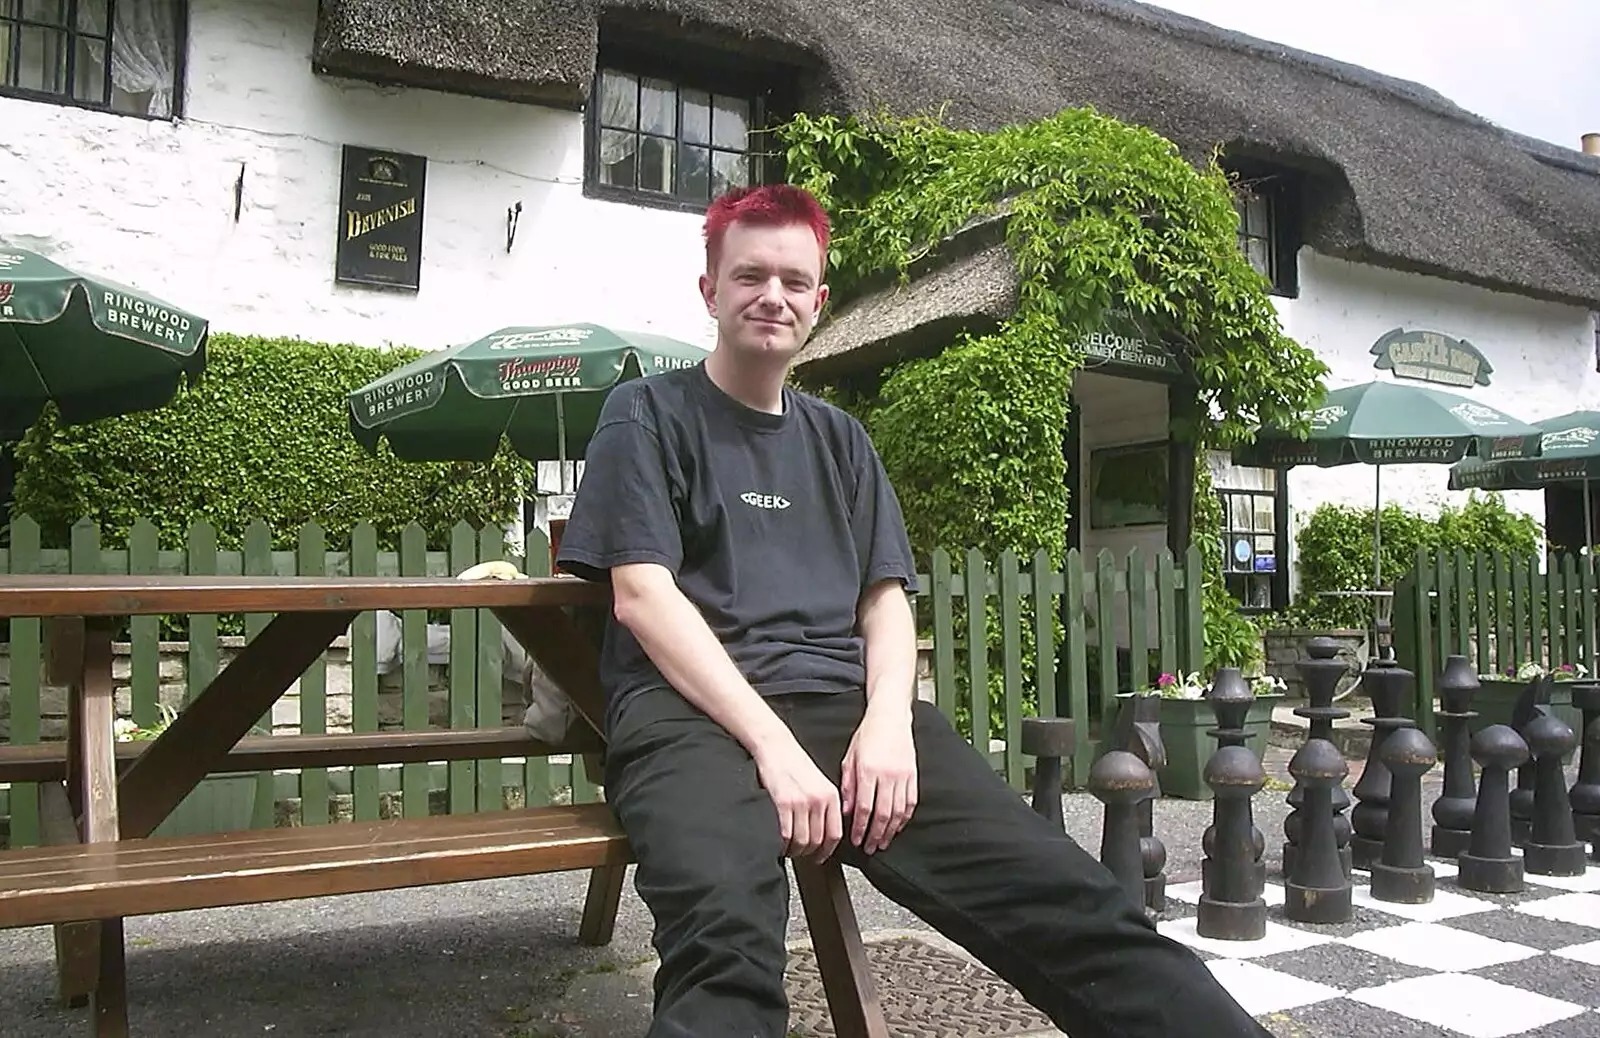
(380, 218)
(1427, 356)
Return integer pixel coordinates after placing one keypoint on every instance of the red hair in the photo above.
(769, 205)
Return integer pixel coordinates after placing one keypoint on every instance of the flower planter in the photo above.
(217, 805)
(1495, 700)
(1184, 723)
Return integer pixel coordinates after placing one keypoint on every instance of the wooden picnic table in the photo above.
(107, 809)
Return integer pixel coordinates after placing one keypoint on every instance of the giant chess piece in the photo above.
(1389, 687)
(1552, 848)
(1452, 811)
(1585, 794)
(1401, 875)
(1139, 732)
(1120, 781)
(1487, 865)
(1231, 906)
(1318, 889)
(1535, 700)
(1231, 698)
(1320, 671)
(1049, 741)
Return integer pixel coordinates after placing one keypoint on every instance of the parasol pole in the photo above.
(1588, 520)
(561, 443)
(1377, 527)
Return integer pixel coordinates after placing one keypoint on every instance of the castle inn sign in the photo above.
(1427, 356)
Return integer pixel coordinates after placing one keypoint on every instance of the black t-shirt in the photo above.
(773, 525)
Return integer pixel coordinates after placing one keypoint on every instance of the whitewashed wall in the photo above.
(151, 203)
(1543, 355)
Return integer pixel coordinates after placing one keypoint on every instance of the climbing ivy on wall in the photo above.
(1102, 215)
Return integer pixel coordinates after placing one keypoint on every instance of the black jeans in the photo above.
(975, 862)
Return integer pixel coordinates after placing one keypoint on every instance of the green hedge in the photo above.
(263, 434)
(1334, 550)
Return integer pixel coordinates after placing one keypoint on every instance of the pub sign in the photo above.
(380, 218)
(1429, 356)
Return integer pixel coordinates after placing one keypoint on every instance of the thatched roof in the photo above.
(1396, 174)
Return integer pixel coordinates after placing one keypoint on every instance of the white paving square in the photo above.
(1472, 1006)
(1582, 909)
(1278, 938)
(1446, 904)
(1432, 947)
(1589, 882)
(1587, 953)
(1189, 893)
(1260, 990)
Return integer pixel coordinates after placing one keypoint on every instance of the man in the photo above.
(759, 672)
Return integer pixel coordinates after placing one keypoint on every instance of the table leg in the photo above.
(92, 793)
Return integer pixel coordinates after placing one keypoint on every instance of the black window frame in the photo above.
(69, 28)
(1278, 580)
(1280, 190)
(695, 70)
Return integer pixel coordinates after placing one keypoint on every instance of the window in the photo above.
(664, 141)
(120, 55)
(1265, 199)
(1128, 486)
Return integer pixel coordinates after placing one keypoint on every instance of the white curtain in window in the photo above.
(617, 109)
(144, 49)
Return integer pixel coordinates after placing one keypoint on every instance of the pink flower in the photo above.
(1166, 681)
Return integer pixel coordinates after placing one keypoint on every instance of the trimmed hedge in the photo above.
(263, 434)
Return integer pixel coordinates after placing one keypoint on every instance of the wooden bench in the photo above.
(100, 800)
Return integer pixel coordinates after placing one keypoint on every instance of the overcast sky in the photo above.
(1530, 65)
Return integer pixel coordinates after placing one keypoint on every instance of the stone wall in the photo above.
(1285, 648)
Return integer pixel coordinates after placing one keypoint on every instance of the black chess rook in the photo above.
(1231, 906)
(1049, 741)
(1452, 811)
(1401, 875)
(1318, 889)
(1120, 780)
(1389, 686)
(1552, 848)
(1487, 865)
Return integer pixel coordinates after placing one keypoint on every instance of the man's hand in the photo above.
(880, 777)
(809, 817)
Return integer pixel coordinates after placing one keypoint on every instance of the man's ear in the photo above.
(822, 300)
(708, 292)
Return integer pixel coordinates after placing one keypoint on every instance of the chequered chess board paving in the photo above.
(1480, 965)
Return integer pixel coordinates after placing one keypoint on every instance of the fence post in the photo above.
(1011, 663)
(1427, 655)
(311, 560)
(1074, 609)
(977, 578)
(1044, 633)
(27, 665)
(944, 635)
(364, 674)
(1192, 635)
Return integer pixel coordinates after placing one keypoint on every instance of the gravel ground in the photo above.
(496, 958)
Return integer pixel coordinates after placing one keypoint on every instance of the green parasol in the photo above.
(94, 347)
(1569, 451)
(540, 387)
(1390, 423)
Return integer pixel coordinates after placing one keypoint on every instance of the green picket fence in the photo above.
(1500, 612)
(475, 664)
(1138, 608)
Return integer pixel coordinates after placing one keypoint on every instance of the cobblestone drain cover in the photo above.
(926, 992)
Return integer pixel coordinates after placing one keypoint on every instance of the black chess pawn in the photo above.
(1452, 811)
(1401, 875)
(1487, 865)
(1321, 671)
(1049, 741)
(1535, 700)
(1585, 792)
(1552, 848)
(1389, 687)
(1231, 907)
(1318, 889)
(1138, 731)
(1120, 781)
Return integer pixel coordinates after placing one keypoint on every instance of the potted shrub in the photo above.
(1496, 696)
(219, 804)
(1186, 717)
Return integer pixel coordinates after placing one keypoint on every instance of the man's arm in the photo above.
(879, 783)
(647, 601)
